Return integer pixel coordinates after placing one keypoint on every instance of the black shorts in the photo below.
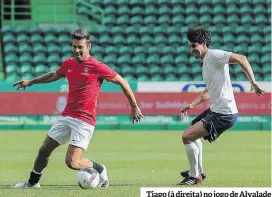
(215, 123)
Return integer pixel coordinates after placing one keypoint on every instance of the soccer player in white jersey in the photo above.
(222, 113)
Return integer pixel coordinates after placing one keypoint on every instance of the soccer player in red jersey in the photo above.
(77, 122)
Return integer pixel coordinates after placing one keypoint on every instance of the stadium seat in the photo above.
(6, 30)
(219, 20)
(136, 20)
(64, 39)
(11, 58)
(19, 30)
(219, 9)
(265, 59)
(53, 48)
(191, 19)
(153, 50)
(127, 70)
(143, 78)
(171, 77)
(181, 59)
(206, 20)
(197, 78)
(133, 40)
(54, 67)
(11, 68)
(106, 39)
(146, 40)
(153, 59)
(204, 10)
(26, 68)
(145, 30)
(22, 38)
(191, 9)
(125, 50)
(124, 59)
(157, 77)
(170, 70)
(111, 50)
(12, 77)
(9, 38)
(40, 69)
(131, 30)
(117, 40)
(137, 50)
(123, 20)
(24, 48)
(254, 58)
(164, 10)
(163, 20)
(178, 10)
(27, 76)
(233, 20)
(245, 9)
(110, 59)
(10, 48)
(167, 59)
(110, 20)
(168, 50)
(179, 19)
(266, 49)
(26, 58)
(247, 19)
(139, 59)
(141, 70)
(36, 38)
(151, 10)
(261, 20)
(156, 70)
(137, 11)
(40, 58)
(185, 77)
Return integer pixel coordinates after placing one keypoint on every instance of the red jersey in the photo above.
(85, 80)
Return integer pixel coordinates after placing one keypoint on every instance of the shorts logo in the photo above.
(86, 71)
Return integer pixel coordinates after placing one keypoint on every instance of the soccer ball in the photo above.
(88, 178)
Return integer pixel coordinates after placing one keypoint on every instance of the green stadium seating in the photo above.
(126, 50)
(9, 38)
(110, 59)
(11, 58)
(143, 38)
(12, 77)
(22, 38)
(138, 59)
(26, 68)
(11, 68)
(10, 48)
(40, 69)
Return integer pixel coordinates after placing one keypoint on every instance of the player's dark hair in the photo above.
(199, 34)
(79, 34)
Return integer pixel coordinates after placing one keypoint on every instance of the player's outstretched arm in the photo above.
(243, 62)
(201, 98)
(136, 113)
(46, 78)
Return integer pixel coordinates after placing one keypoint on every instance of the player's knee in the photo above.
(72, 163)
(185, 138)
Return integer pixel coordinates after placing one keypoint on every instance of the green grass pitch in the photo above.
(135, 160)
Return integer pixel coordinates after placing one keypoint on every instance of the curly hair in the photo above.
(79, 34)
(199, 34)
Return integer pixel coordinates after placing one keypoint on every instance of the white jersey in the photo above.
(215, 73)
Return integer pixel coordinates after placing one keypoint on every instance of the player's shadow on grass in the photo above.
(65, 187)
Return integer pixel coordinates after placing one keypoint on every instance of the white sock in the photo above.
(200, 148)
(192, 155)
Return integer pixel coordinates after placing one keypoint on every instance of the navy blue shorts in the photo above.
(215, 123)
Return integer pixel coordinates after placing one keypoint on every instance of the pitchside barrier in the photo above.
(38, 110)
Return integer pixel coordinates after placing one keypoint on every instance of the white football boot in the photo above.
(104, 180)
(26, 185)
